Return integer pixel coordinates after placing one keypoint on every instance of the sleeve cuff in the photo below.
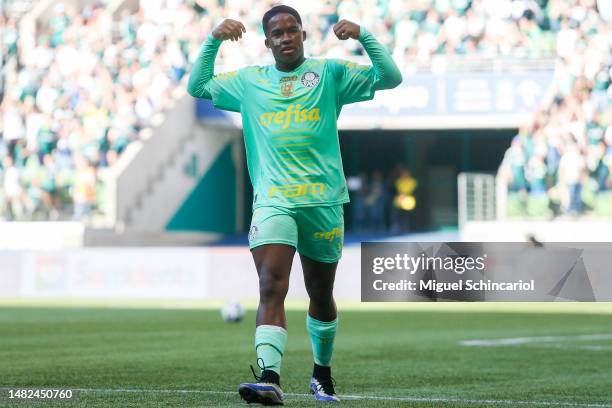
(363, 33)
(213, 40)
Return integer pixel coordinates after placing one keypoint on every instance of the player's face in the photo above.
(286, 39)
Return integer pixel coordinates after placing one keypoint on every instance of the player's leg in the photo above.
(321, 323)
(272, 239)
(319, 280)
(273, 263)
(320, 244)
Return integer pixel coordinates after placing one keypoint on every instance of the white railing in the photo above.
(476, 197)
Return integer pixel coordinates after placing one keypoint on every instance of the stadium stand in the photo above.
(77, 101)
(561, 163)
(87, 90)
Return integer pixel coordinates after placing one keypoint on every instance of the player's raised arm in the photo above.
(224, 92)
(387, 74)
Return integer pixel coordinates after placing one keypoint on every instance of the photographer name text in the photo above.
(460, 285)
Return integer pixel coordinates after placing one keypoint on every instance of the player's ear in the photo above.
(303, 35)
(267, 43)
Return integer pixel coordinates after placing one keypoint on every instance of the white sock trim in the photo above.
(272, 327)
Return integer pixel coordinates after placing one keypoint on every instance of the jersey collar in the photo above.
(279, 72)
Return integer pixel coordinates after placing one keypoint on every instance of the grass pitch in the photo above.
(191, 358)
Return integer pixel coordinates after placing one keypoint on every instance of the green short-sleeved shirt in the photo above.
(290, 131)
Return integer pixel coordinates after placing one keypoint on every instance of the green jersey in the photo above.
(289, 120)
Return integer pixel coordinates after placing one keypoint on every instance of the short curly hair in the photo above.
(277, 10)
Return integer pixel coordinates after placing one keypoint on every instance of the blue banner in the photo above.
(460, 100)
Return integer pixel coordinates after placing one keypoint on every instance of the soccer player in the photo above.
(289, 112)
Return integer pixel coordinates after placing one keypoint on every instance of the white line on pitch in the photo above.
(351, 397)
(513, 341)
(571, 346)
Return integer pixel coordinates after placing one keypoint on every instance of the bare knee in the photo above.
(273, 285)
(320, 292)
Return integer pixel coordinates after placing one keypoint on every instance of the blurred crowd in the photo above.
(71, 106)
(561, 163)
(74, 103)
(382, 203)
(413, 31)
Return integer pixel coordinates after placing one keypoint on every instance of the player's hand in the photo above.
(229, 30)
(345, 29)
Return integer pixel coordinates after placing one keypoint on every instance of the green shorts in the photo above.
(316, 232)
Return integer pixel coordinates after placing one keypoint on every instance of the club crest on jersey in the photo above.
(310, 79)
(287, 89)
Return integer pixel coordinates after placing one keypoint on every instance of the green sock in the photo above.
(270, 342)
(322, 335)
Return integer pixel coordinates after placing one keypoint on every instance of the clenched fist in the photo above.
(345, 29)
(229, 30)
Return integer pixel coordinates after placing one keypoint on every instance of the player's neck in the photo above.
(290, 67)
